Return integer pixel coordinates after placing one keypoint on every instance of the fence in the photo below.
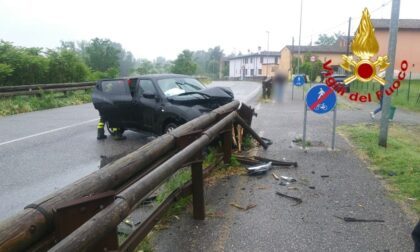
(84, 215)
(37, 89)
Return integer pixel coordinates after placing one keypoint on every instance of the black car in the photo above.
(339, 78)
(155, 103)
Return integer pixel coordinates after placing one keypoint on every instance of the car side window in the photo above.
(114, 87)
(147, 86)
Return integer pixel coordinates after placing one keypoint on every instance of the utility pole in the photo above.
(389, 77)
(300, 32)
(268, 48)
(348, 38)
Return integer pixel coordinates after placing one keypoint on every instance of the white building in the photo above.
(253, 65)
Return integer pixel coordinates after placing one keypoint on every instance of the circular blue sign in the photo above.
(299, 80)
(321, 99)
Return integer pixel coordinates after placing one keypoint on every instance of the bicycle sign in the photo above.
(321, 99)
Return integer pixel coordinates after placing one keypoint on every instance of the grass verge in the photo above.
(22, 104)
(398, 164)
(406, 96)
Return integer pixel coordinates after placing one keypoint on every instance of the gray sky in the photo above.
(166, 27)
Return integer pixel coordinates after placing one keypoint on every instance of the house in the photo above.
(408, 42)
(254, 65)
(319, 52)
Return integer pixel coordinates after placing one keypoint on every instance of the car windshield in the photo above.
(177, 86)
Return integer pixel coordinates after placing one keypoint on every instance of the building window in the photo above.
(250, 60)
(246, 60)
(252, 72)
(245, 72)
(259, 71)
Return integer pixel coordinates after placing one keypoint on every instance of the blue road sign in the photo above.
(299, 80)
(321, 99)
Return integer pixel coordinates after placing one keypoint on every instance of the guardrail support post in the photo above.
(227, 144)
(199, 212)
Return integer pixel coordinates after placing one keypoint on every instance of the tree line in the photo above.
(95, 59)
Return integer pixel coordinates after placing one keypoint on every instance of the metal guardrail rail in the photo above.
(37, 89)
(84, 215)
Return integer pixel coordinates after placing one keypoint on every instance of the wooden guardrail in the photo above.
(37, 89)
(67, 220)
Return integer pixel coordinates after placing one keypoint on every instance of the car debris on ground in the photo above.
(297, 200)
(351, 219)
(259, 170)
(288, 179)
(249, 206)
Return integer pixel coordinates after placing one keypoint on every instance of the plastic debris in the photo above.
(288, 179)
(297, 200)
(259, 169)
(325, 176)
(284, 183)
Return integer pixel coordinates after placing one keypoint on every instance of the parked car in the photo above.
(339, 78)
(155, 103)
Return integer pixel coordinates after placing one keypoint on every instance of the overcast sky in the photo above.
(166, 27)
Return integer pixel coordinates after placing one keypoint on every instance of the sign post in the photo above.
(320, 99)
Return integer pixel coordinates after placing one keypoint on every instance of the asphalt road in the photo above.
(43, 151)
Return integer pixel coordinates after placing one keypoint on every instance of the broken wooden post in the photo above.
(251, 131)
(198, 189)
(227, 144)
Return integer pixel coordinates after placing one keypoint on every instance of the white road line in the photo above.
(252, 95)
(47, 132)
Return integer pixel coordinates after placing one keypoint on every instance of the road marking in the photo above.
(48, 131)
(251, 95)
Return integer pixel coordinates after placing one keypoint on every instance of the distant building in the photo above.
(408, 42)
(319, 52)
(408, 48)
(254, 65)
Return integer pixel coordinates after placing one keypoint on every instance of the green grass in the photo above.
(22, 104)
(176, 181)
(398, 164)
(399, 99)
(145, 245)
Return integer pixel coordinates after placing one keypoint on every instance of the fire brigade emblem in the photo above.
(365, 46)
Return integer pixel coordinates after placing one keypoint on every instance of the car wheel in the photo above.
(110, 131)
(169, 127)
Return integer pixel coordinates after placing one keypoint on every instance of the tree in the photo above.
(102, 54)
(325, 40)
(5, 71)
(28, 65)
(66, 66)
(146, 67)
(184, 63)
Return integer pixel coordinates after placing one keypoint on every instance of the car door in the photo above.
(118, 94)
(147, 102)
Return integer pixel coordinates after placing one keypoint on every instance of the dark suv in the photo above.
(155, 103)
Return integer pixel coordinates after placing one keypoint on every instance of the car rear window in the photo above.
(114, 87)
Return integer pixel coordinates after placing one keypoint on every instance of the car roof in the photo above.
(152, 76)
